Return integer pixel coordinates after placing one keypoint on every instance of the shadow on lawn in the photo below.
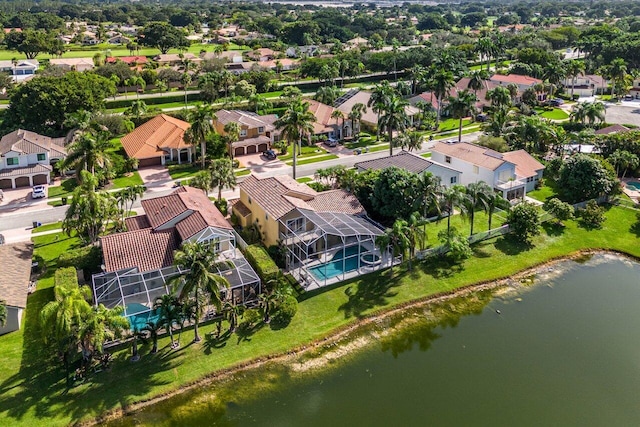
(368, 293)
(510, 246)
(553, 229)
(40, 388)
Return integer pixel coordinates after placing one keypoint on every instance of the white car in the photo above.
(38, 192)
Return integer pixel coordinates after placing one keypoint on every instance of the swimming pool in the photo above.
(633, 185)
(139, 315)
(343, 261)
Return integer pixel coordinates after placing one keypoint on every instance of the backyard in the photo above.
(32, 388)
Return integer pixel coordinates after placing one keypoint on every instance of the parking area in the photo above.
(20, 198)
(259, 164)
(627, 112)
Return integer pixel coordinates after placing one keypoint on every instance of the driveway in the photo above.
(156, 178)
(20, 198)
(627, 112)
(260, 165)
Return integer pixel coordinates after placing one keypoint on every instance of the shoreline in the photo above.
(336, 335)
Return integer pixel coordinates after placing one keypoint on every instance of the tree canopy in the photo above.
(583, 177)
(163, 36)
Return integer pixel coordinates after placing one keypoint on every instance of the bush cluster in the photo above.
(262, 263)
(65, 277)
(87, 259)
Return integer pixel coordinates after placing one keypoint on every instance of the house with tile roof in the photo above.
(20, 70)
(616, 128)
(15, 282)
(324, 123)
(413, 163)
(139, 263)
(257, 132)
(369, 118)
(73, 64)
(522, 82)
(159, 141)
(26, 158)
(512, 174)
(175, 59)
(134, 62)
(326, 235)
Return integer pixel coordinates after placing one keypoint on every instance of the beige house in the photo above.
(15, 282)
(256, 132)
(73, 64)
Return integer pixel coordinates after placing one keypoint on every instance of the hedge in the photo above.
(87, 259)
(178, 97)
(261, 262)
(65, 277)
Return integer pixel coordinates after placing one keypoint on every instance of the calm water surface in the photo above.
(563, 352)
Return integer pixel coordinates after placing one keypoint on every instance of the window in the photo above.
(454, 179)
(261, 129)
(243, 132)
(476, 170)
(42, 157)
(447, 159)
(249, 200)
(266, 216)
(296, 225)
(12, 161)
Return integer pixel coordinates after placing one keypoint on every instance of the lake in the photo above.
(563, 349)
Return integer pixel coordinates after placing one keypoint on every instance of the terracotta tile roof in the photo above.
(370, 117)
(240, 208)
(16, 272)
(72, 62)
(402, 160)
(463, 84)
(129, 59)
(514, 78)
(25, 171)
(145, 249)
(149, 139)
(27, 142)
(246, 118)
(138, 222)
(471, 153)
(280, 195)
(612, 129)
(526, 164)
(324, 122)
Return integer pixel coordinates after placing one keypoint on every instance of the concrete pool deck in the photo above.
(629, 191)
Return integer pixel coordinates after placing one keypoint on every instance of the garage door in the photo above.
(238, 151)
(23, 181)
(251, 149)
(262, 147)
(40, 179)
(155, 161)
(5, 183)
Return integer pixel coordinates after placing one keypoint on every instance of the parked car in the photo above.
(331, 142)
(482, 117)
(38, 192)
(270, 155)
(556, 102)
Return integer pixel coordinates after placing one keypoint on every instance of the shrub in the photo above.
(524, 222)
(250, 317)
(286, 310)
(592, 216)
(319, 186)
(87, 259)
(261, 263)
(559, 209)
(278, 254)
(222, 206)
(458, 245)
(65, 277)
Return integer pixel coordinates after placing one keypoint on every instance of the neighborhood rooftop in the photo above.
(471, 153)
(403, 160)
(148, 140)
(27, 142)
(16, 272)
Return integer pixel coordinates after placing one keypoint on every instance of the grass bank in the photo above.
(32, 390)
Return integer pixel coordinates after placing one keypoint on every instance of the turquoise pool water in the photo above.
(633, 185)
(338, 263)
(139, 315)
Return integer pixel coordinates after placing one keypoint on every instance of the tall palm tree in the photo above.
(99, 325)
(199, 284)
(380, 97)
(394, 118)
(79, 122)
(462, 106)
(339, 116)
(477, 81)
(486, 48)
(616, 72)
(477, 194)
(415, 234)
(394, 238)
(499, 97)
(87, 152)
(452, 197)
(594, 111)
(430, 189)
(442, 81)
(327, 94)
(200, 128)
(296, 122)
(185, 79)
(574, 69)
(355, 115)
(139, 83)
(222, 175)
(168, 310)
(232, 131)
(153, 329)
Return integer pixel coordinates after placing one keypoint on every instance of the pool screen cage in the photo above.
(131, 288)
(324, 235)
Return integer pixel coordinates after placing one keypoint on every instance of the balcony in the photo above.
(509, 185)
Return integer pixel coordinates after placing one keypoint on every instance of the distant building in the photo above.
(256, 132)
(20, 70)
(73, 64)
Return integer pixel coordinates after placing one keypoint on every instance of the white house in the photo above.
(587, 85)
(26, 158)
(512, 174)
(413, 163)
(20, 70)
(14, 282)
(73, 64)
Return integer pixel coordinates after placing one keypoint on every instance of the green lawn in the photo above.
(182, 171)
(451, 124)
(67, 186)
(47, 227)
(307, 151)
(126, 181)
(426, 155)
(243, 172)
(32, 391)
(304, 179)
(306, 161)
(545, 192)
(64, 189)
(555, 114)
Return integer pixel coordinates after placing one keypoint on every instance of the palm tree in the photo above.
(462, 106)
(87, 152)
(232, 311)
(625, 160)
(198, 285)
(222, 175)
(355, 115)
(394, 238)
(442, 81)
(380, 97)
(477, 194)
(232, 131)
(185, 79)
(296, 122)
(416, 235)
(394, 118)
(477, 81)
(452, 197)
(413, 141)
(499, 97)
(99, 325)
(202, 181)
(169, 312)
(616, 72)
(80, 122)
(326, 94)
(339, 115)
(574, 69)
(153, 328)
(137, 109)
(486, 48)
(494, 201)
(200, 127)
(578, 113)
(127, 197)
(139, 83)
(594, 111)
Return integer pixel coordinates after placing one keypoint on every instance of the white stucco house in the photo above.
(20, 70)
(512, 174)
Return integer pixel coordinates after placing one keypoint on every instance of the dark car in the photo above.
(556, 102)
(270, 155)
(482, 117)
(331, 142)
